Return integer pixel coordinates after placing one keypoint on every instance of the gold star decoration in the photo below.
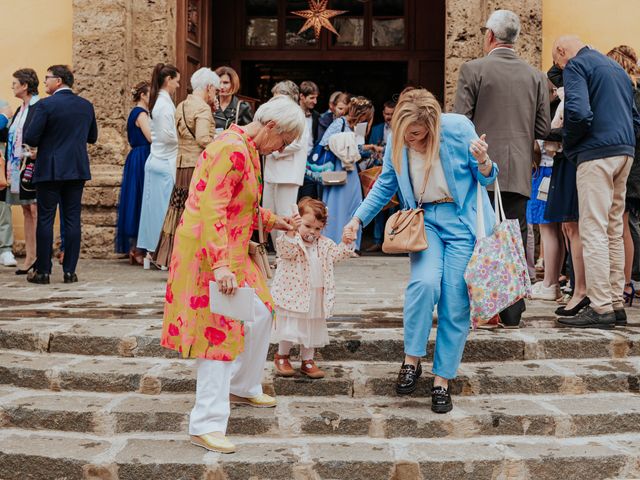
(318, 16)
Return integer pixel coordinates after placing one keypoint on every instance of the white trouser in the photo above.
(242, 377)
(278, 197)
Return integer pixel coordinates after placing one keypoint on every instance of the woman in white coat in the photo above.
(284, 171)
(160, 169)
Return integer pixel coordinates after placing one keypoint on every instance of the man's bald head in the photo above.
(565, 48)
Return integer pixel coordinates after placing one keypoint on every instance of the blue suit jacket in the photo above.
(377, 134)
(62, 126)
(460, 170)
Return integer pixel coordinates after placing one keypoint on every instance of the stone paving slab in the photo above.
(162, 457)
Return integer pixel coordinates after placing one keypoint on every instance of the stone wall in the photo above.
(464, 40)
(116, 43)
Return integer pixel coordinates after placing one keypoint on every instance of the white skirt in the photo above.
(307, 329)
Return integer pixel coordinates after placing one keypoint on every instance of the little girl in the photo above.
(304, 288)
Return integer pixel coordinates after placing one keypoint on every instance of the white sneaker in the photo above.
(540, 292)
(8, 260)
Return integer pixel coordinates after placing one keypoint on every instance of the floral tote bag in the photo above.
(497, 274)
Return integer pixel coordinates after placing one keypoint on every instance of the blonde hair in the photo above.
(415, 106)
(628, 59)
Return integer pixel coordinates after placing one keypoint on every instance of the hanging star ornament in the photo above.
(318, 17)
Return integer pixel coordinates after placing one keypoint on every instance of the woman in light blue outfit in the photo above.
(343, 200)
(436, 160)
(160, 168)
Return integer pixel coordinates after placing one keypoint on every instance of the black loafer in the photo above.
(621, 317)
(441, 400)
(37, 277)
(589, 318)
(70, 277)
(563, 312)
(408, 379)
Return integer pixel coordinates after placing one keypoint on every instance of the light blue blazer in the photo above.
(460, 170)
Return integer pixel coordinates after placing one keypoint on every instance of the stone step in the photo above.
(141, 338)
(357, 379)
(486, 415)
(73, 456)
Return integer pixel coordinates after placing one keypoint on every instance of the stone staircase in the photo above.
(99, 399)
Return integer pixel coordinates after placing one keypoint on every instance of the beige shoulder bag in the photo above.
(404, 232)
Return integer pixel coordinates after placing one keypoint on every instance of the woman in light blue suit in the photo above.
(447, 146)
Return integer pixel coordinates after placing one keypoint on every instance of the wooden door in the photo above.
(193, 40)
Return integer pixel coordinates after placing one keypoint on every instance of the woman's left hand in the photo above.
(479, 150)
(284, 223)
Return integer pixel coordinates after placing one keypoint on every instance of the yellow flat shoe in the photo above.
(261, 401)
(213, 442)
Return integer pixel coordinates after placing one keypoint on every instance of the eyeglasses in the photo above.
(483, 30)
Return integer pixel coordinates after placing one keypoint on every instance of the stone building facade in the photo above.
(117, 42)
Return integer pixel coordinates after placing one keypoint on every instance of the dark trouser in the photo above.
(515, 207)
(69, 195)
(310, 189)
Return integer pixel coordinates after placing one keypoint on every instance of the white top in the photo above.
(309, 131)
(288, 166)
(164, 136)
(437, 186)
(315, 266)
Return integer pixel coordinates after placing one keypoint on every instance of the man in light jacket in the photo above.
(508, 100)
(600, 128)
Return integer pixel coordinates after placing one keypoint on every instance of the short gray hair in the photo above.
(287, 87)
(285, 112)
(203, 78)
(505, 26)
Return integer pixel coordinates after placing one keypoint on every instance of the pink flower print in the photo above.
(173, 330)
(218, 226)
(169, 294)
(234, 210)
(238, 161)
(201, 185)
(196, 302)
(214, 336)
(237, 188)
(235, 232)
(204, 155)
(226, 357)
(226, 323)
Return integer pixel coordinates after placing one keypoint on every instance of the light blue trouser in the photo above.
(6, 228)
(437, 277)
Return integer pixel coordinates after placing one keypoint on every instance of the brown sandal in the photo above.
(310, 369)
(283, 367)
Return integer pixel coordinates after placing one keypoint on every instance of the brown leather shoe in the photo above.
(283, 367)
(309, 368)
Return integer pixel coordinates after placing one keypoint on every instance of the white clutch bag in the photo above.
(239, 306)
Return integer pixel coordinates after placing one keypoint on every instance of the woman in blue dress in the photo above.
(343, 200)
(139, 136)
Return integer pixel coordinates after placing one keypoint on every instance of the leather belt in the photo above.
(443, 200)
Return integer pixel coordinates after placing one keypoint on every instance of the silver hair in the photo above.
(285, 112)
(286, 87)
(203, 78)
(505, 26)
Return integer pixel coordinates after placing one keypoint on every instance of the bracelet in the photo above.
(485, 162)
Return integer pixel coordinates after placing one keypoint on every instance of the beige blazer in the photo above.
(196, 114)
(507, 99)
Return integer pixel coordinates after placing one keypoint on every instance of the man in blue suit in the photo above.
(379, 135)
(62, 126)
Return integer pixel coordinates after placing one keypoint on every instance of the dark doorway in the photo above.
(378, 81)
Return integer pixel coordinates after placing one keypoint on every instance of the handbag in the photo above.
(404, 231)
(3, 175)
(258, 251)
(496, 275)
(334, 179)
(543, 189)
(368, 179)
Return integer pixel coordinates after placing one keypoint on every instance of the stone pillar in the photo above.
(464, 40)
(116, 43)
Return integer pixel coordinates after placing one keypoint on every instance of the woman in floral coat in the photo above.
(211, 243)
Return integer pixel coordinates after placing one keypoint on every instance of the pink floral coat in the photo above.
(219, 218)
(291, 284)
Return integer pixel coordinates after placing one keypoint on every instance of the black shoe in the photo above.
(562, 311)
(408, 378)
(21, 271)
(37, 277)
(440, 400)
(70, 277)
(589, 318)
(621, 317)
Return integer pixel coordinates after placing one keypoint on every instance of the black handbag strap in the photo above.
(184, 119)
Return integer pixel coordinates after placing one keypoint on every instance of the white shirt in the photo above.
(164, 136)
(288, 166)
(437, 187)
(309, 132)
